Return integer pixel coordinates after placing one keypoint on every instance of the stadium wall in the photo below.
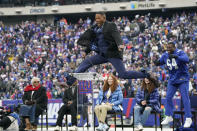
(125, 6)
(12, 20)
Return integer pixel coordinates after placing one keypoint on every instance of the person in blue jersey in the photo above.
(109, 98)
(104, 38)
(176, 61)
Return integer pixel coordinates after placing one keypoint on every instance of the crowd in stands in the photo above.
(50, 52)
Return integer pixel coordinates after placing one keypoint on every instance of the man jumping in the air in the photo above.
(105, 39)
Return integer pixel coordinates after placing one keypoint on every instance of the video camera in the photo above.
(3, 112)
(9, 119)
(6, 110)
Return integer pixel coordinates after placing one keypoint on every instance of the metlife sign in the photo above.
(134, 6)
(146, 5)
(143, 5)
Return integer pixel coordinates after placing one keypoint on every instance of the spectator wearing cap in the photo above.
(70, 105)
(35, 101)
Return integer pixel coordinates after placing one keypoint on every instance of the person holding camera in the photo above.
(34, 103)
(9, 118)
(147, 99)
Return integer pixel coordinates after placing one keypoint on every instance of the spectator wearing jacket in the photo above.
(147, 99)
(109, 98)
(35, 102)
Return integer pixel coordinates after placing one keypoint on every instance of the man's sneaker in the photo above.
(167, 120)
(105, 127)
(139, 128)
(100, 127)
(188, 123)
(73, 128)
(57, 128)
(87, 125)
(147, 75)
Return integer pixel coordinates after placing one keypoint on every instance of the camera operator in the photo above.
(9, 118)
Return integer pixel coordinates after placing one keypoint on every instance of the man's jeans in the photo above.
(116, 62)
(141, 117)
(28, 111)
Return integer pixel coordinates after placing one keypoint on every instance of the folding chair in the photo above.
(112, 112)
(66, 121)
(155, 114)
(45, 112)
(193, 110)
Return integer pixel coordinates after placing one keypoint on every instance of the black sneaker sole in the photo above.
(99, 130)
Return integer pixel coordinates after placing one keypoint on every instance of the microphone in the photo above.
(94, 75)
(93, 26)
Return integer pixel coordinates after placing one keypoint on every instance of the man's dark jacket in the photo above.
(39, 96)
(78, 100)
(69, 96)
(111, 36)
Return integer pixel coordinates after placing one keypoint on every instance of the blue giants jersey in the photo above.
(178, 69)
